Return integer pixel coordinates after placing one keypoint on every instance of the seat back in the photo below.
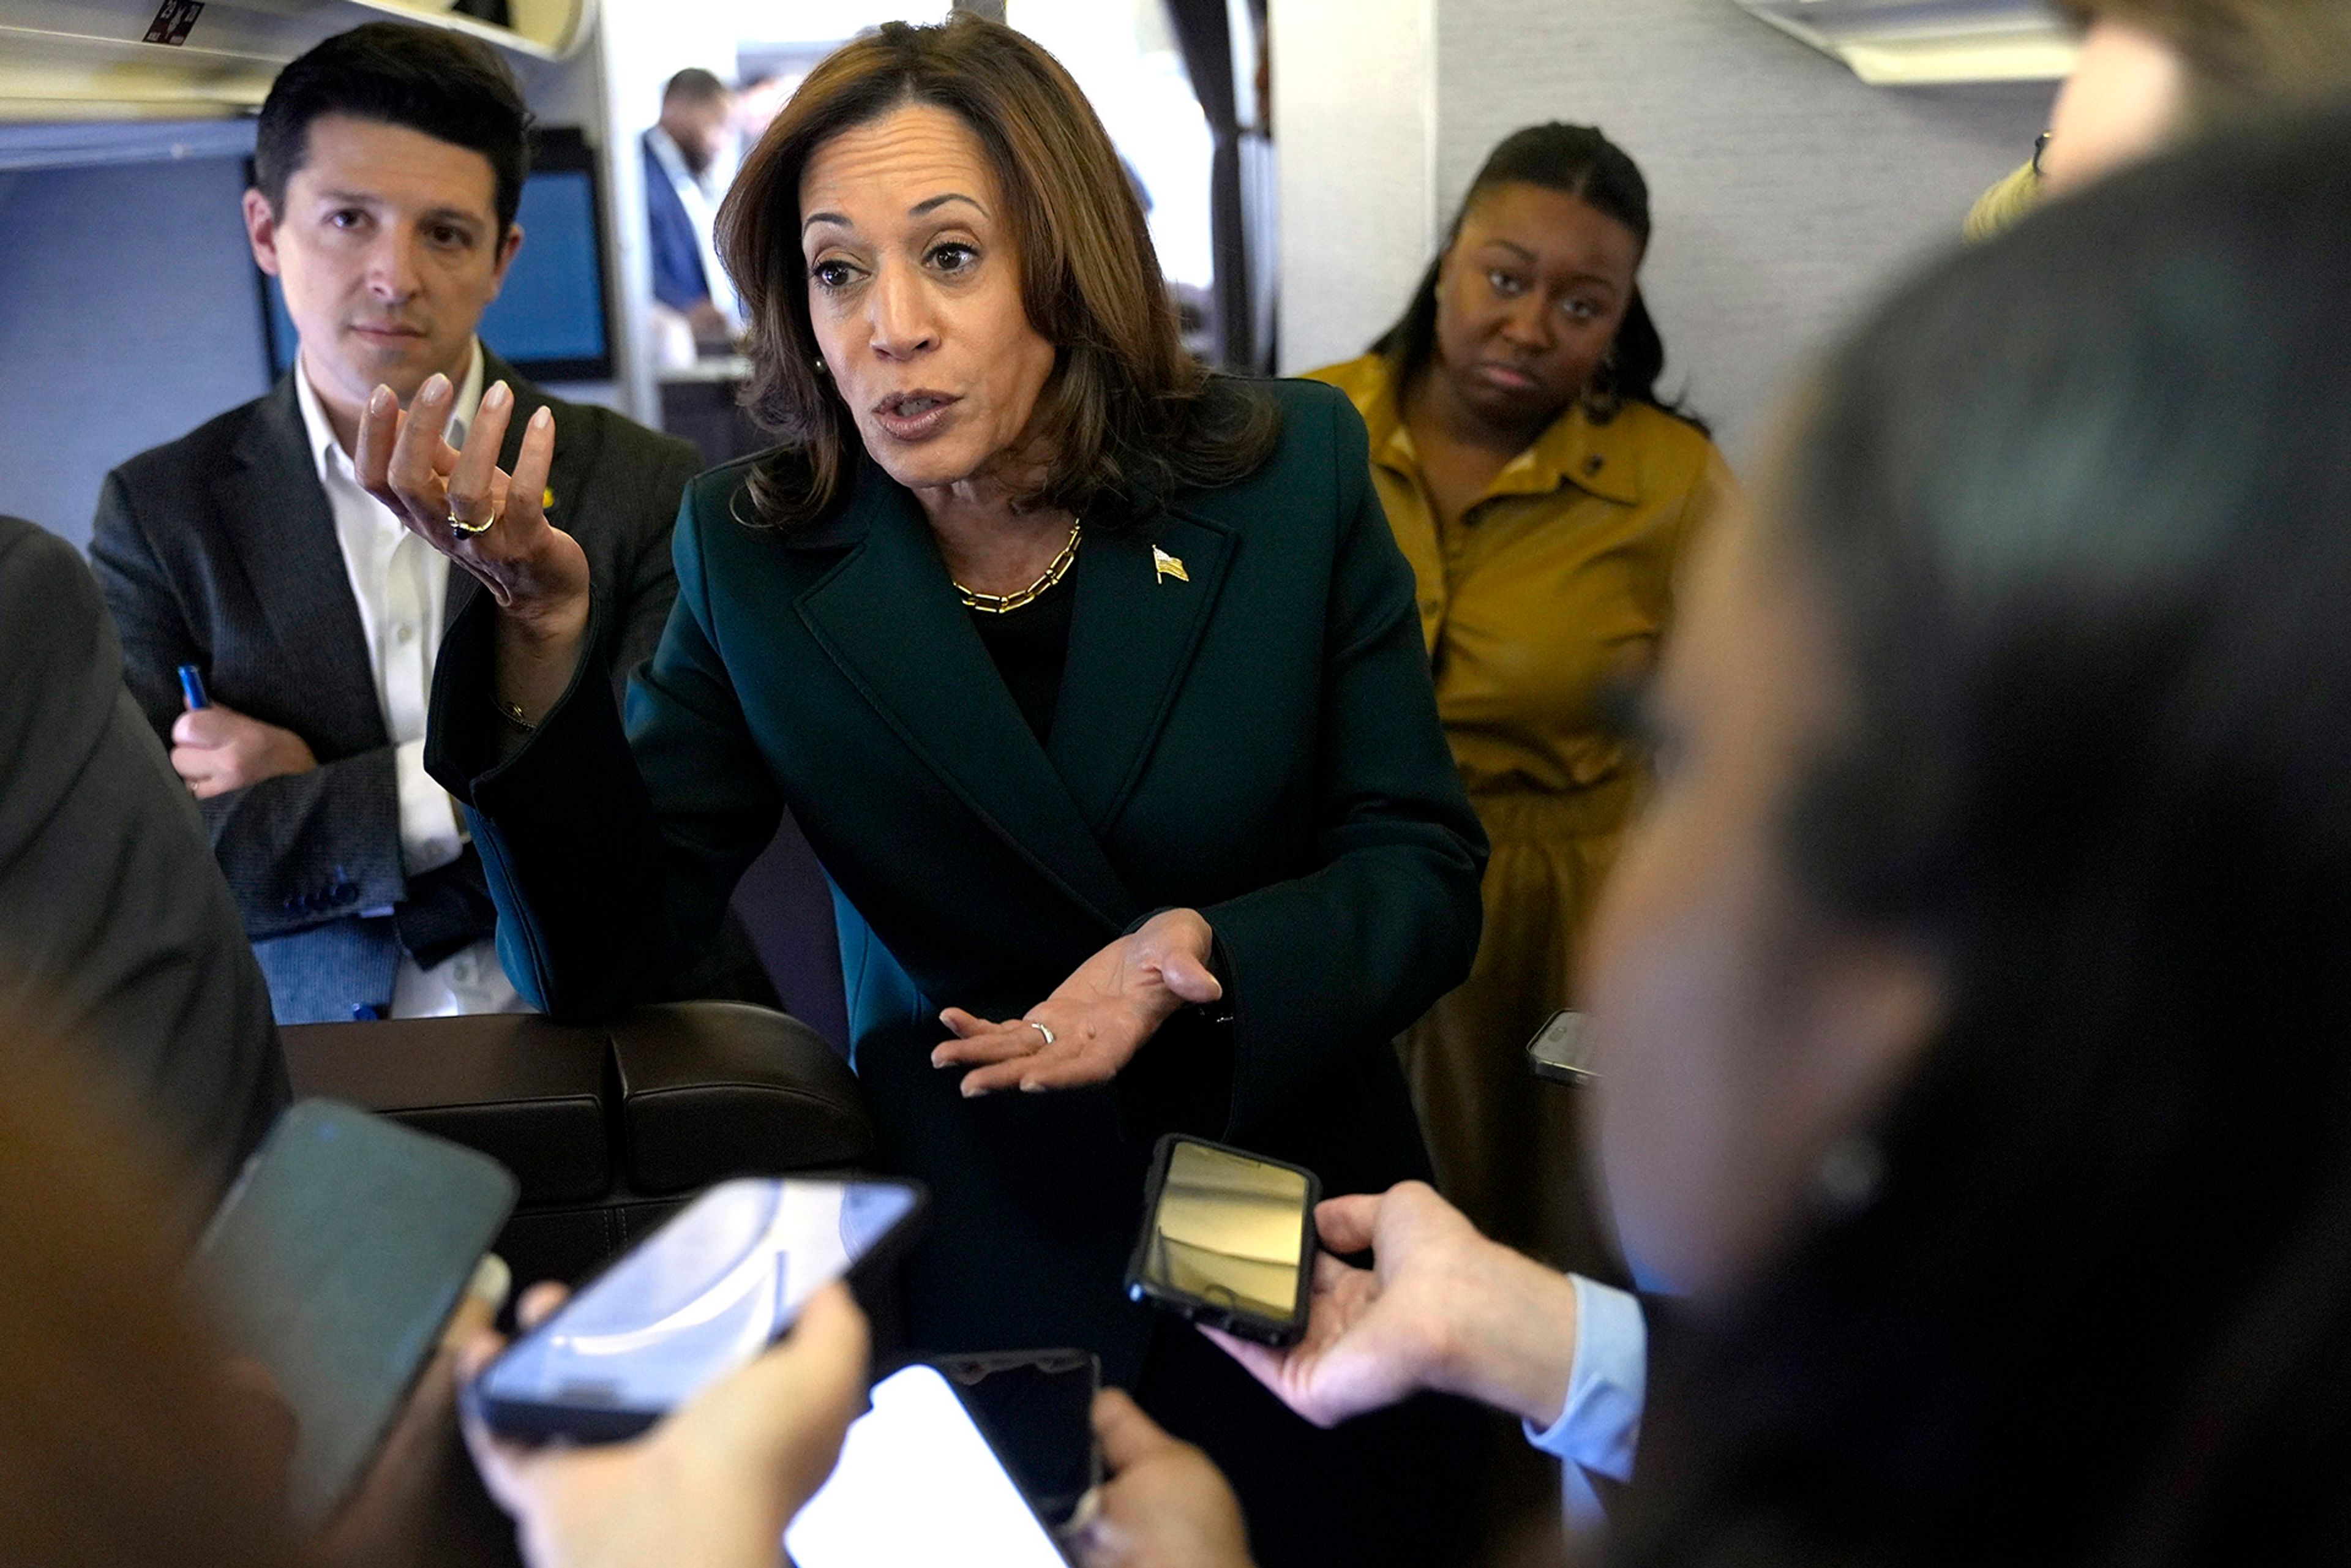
(608, 1127)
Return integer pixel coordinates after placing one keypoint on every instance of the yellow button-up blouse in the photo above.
(1559, 576)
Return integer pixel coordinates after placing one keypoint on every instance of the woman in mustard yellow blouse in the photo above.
(1546, 499)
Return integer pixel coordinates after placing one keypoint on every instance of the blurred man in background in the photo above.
(682, 188)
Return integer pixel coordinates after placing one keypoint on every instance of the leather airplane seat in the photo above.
(608, 1127)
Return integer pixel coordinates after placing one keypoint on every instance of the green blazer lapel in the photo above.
(889, 617)
(275, 511)
(1143, 600)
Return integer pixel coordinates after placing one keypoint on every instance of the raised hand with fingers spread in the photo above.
(1096, 1020)
(1441, 1309)
(489, 522)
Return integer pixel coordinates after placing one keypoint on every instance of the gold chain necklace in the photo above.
(1004, 603)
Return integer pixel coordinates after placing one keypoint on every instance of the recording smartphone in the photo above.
(703, 1295)
(1037, 1409)
(1227, 1241)
(1561, 1051)
(335, 1261)
(917, 1486)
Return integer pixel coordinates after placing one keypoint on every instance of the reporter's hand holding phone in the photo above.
(1442, 1308)
(715, 1483)
(492, 523)
(1165, 1504)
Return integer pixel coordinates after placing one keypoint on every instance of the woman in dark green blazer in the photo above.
(1096, 684)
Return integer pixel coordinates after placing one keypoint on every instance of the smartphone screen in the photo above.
(1037, 1409)
(918, 1486)
(1230, 1230)
(334, 1262)
(700, 1297)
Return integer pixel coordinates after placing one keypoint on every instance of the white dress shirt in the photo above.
(401, 585)
(1607, 1386)
(701, 202)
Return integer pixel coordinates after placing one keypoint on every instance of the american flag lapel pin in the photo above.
(1164, 566)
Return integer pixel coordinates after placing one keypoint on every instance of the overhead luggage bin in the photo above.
(1930, 42)
(191, 59)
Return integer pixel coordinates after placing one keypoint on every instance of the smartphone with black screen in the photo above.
(1561, 1051)
(1227, 1239)
(918, 1486)
(335, 1262)
(720, 1281)
(1037, 1408)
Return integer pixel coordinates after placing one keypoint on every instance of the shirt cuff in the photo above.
(429, 833)
(1607, 1386)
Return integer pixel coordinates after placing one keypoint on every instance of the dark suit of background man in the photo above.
(114, 927)
(389, 160)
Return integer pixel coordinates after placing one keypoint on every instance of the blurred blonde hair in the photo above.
(1998, 208)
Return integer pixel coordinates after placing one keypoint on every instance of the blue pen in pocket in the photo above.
(191, 687)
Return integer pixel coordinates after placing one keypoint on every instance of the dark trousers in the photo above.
(1392, 1488)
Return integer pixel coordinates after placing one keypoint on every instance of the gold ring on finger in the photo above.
(459, 525)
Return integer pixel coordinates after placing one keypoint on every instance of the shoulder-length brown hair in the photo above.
(1126, 412)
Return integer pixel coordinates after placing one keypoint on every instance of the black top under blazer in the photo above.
(1260, 742)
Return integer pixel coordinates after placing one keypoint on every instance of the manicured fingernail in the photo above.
(542, 419)
(498, 396)
(436, 385)
(1031, 1086)
(938, 1059)
(972, 1090)
(382, 400)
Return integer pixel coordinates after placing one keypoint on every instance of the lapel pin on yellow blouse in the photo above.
(1164, 566)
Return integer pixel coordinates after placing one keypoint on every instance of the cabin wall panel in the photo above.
(128, 317)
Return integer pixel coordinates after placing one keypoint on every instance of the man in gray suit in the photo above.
(389, 161)
(113, 923)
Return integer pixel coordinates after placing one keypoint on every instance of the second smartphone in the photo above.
(1037, 1408)
(703, 1295)
(1227, 1241)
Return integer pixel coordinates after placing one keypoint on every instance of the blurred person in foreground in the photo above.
(1095, 683)
(1546, 496)
(2153, 72)
(123, 1437)
(111, 910)
(1969, 999)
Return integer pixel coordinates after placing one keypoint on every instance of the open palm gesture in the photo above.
(1095, 1020)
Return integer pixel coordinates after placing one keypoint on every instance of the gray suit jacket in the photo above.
(113, 921)
(219, 551)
